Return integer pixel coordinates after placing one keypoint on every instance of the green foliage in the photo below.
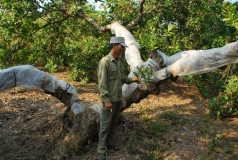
(209, 84)
(172, 117)
(144, 73)
(134, 141)
(213, 144)
(230, 15)
(226, 104)
(222, 87)
(87, 58)
(51, 34)
(156, 128)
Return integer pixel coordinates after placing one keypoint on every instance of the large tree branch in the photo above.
(80, 14)
(51, 23)
(138, 18)
(134, 22)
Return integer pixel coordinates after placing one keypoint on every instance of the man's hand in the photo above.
(108, 106)
(135, 79)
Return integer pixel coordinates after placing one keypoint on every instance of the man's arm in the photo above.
(102, 84)
(128, 80)
(103, 81)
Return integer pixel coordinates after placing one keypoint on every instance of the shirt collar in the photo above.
(111, 57)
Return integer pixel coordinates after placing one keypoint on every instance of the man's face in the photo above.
(119, 49)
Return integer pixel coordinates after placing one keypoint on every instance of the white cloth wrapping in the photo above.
(198, 62)
(96, 107)
(77, 106)
(27, 76)
(168, 60)
(204, 61)
(132, 53)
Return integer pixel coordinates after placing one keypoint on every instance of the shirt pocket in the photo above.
(112, 72)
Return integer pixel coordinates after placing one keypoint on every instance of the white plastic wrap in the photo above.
(132, 53)
(96, 107)
(172, 59)
(204, 61)
(197, 62)
(27, 76)
(76, 105)
(128, 90)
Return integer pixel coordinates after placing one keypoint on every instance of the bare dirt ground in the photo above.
(172, 125)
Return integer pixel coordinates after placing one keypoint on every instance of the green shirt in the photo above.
(110, 79)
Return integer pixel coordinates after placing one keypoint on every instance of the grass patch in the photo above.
(146, 114)
(172, 117)
(133, 141)
(156, 128)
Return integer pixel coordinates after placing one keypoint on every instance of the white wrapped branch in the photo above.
(197, 62)
(132, 53)
(30, 77)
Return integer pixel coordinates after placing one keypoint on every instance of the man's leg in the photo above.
(105, 123)
(116, 107)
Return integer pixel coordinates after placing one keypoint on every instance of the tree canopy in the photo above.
(74, 34)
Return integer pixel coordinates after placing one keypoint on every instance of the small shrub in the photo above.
(134, 141)
(172, 116)
(156, 128)
(226, 104)
(213, 144)
(209, 84)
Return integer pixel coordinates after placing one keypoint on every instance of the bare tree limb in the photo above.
(50, 23)
(82, 15)
(92, 21)
(138, 18)
(108, 27)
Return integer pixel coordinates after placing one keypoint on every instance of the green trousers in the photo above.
(108, 124)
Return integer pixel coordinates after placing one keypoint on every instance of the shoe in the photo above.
(113, 147)
(101, 156)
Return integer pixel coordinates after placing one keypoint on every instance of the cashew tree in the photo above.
(71, 33)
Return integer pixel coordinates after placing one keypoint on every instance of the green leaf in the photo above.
(136, 74)
(232, 10)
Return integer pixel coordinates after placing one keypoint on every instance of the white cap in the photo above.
(120, 40)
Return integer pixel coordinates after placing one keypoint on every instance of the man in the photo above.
(110, 92)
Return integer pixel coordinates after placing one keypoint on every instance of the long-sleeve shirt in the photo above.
(110, 79)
